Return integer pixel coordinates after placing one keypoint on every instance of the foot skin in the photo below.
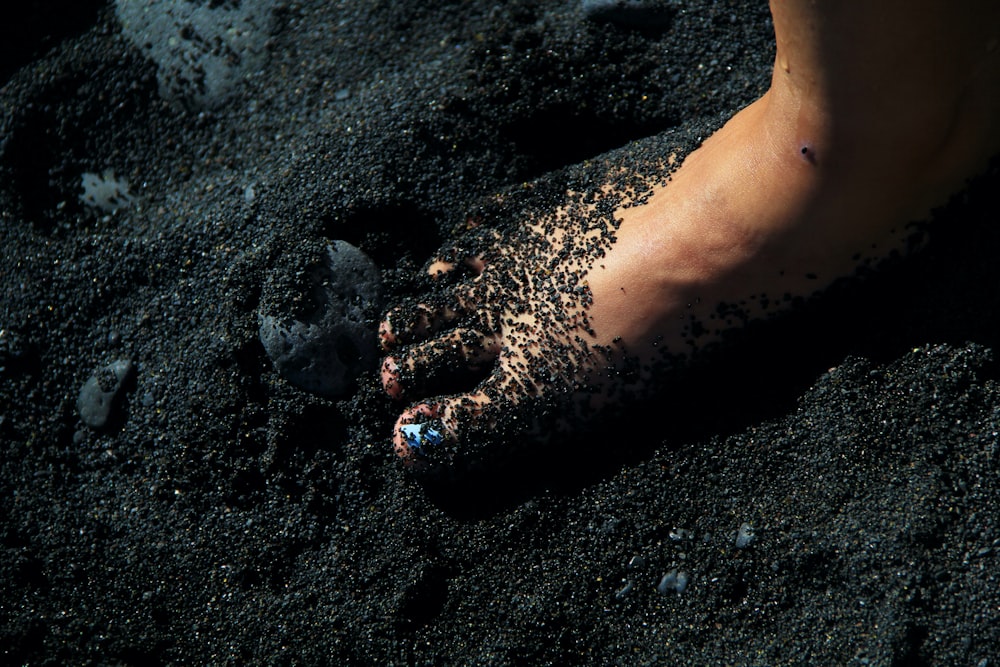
(588, 307)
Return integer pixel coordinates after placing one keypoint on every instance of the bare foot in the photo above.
(593, 304)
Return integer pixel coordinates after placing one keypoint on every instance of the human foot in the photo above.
(592, 305)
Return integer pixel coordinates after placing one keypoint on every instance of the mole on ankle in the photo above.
(808, 153)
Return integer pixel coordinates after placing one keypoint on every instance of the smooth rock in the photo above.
(202, 50)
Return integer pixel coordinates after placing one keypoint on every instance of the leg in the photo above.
(877, 112)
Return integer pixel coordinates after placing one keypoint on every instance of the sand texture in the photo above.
(827, 493)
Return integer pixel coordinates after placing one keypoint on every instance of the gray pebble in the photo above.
(678, 534)
(675, 581)
(102, 393)
(624, 590)
(327, 351)
(745, 536)
(202, 50)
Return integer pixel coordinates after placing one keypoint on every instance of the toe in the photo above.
(390, 373)
(428, 433)
(408, 323)
(470, 255)
(440, 267)
(454, 354)
(487, 427)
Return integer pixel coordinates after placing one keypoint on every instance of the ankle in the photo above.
(917, 105)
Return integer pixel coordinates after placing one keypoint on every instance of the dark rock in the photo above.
(326, 351)
(102, 394)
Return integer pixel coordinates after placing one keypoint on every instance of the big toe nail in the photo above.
(421, 438)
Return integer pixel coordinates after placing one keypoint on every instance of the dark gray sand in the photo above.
(825, 493)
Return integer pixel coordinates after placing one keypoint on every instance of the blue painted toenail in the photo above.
(418, 436)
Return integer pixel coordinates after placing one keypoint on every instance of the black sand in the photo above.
(223, 516)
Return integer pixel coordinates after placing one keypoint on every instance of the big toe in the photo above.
(429, 434)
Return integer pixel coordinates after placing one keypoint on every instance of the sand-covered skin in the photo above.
(224, 516)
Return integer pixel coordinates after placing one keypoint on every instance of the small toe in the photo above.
(440, 267)
(470, 255)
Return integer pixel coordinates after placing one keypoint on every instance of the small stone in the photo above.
(745, 536)
(675, 581)
(624, 590)
(102, 394)
(105, 192)
(326, 352)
